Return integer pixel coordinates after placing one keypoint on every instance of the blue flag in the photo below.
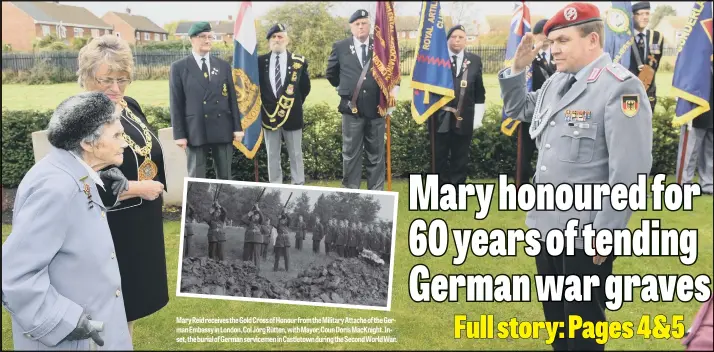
(691, 83)
(520, 25)
(432, 80)
(245, 77)
(618, 32)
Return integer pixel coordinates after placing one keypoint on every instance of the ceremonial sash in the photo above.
(285, 103)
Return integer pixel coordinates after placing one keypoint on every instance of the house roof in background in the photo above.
(140, 23)
(219, 27)
(53, 13)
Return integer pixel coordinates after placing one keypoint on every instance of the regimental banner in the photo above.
(432, 79)
(246, 80)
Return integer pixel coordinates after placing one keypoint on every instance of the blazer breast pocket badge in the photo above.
(225, 90)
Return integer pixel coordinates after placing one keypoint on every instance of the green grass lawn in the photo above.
(431, 325)
(42, 97)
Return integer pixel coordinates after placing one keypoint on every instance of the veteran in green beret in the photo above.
(204, 106)
(284, 85)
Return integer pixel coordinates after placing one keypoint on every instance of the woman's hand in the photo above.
(150, 190)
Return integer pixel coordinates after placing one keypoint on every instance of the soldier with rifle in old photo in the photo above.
(253, 239)
(282, 243)
(266, 230)
(216, 233)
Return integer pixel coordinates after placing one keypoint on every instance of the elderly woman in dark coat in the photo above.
(135, 218)
(60, 278)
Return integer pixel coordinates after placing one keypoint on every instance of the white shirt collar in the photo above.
(198, 58)
(93, 174)
(459, 56)
(358, 43)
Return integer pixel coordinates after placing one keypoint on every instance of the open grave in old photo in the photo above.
(230, 226)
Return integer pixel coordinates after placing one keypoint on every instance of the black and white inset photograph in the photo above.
(287, 244)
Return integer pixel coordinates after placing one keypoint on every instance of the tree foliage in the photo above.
(311, 29)
(660, 12)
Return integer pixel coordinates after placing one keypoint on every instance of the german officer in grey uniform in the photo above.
(349, 70)
(699, 153)
(284, 85)
(204, 107)
(592, 124)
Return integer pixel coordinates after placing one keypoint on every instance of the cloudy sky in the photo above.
(164, 12)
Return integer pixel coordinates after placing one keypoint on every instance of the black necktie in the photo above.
(278, 77)
(567, 86)
(204, 68)
(364, 54)
(641, 45)
(454, 64)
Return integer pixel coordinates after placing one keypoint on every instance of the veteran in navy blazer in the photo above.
(60, 277)
(204, 106)
(362, 126)
(284, 85)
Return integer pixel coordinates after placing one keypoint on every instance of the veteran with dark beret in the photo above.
(204, 106)
(456, 122)
(60, 278)
(646, 53)
(284, 86)
(592, 125)
(349, 70)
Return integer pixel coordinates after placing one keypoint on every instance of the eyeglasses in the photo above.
(108, 82)
(206, 36)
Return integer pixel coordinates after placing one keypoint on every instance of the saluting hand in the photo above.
(525, 54)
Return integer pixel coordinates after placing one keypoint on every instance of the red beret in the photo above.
(572, 15)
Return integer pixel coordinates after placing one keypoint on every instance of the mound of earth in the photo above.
(346, 280)
(227, 278)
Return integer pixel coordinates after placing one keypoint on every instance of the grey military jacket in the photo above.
(59, 260)
(600, 131)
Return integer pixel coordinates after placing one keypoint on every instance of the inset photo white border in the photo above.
(295, 188)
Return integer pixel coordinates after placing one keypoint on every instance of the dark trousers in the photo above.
(594, 311)
(187, 245)
(316, 246)
(526, 149)
(251, 252)
(215, 250)
(281, 252)
(264, 253)
(451, 156)
(340, 250)
(222, 156)
(298, 243)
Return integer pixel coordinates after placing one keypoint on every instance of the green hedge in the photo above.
(491, 151)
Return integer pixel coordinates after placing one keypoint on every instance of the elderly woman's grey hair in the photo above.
(106, 49)
(81, 118)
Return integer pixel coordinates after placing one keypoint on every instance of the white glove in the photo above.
(479, 110)
(395, 92)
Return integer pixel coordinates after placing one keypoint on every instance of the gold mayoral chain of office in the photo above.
(148, 169)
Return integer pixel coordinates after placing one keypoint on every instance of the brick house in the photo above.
(135, 29)
(408, 28)
(222, 29)
(23, 22)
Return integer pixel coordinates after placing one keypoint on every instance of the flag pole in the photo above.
(255, 167)
(518, 155)
(684, 154)
(433, 152)
(389, 152)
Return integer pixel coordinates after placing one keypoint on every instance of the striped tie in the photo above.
(278, 80)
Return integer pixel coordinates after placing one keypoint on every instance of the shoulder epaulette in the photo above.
(619, 71)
